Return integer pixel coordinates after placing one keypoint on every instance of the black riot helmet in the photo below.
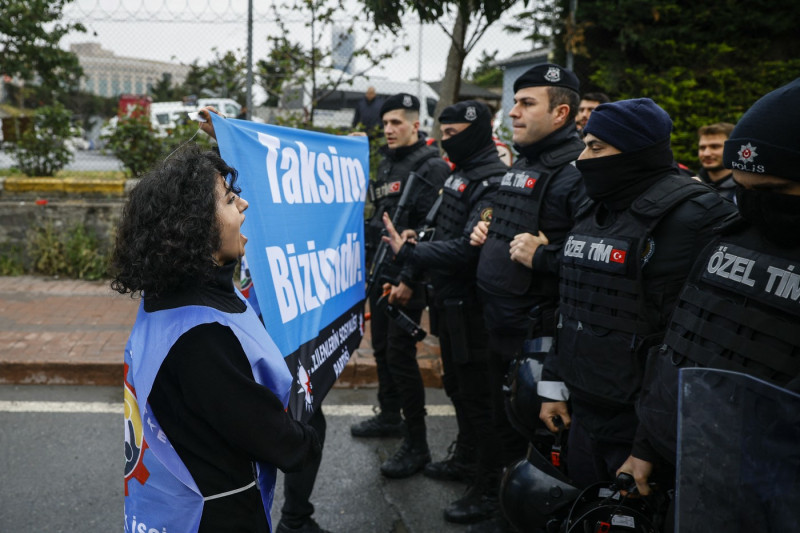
(523, 403)
(535, 494)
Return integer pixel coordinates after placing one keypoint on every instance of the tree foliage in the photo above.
(702, 62)
(309, 65)
(42, 150)
(224, 76)
(486, 74)
(30, 32)
(473, 18)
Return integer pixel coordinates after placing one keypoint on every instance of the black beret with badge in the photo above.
(406, 101)
(547, 75)
(468, 111)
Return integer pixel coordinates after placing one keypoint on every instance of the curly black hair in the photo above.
(169, 229)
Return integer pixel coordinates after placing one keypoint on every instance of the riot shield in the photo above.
(738, 454)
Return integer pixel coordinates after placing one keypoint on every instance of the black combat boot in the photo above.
(410, 458)
(459, 465)
(479, 503)
(381, 425)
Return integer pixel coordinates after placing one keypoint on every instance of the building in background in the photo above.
(106, 74)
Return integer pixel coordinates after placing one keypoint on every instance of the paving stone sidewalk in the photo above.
(58, 331)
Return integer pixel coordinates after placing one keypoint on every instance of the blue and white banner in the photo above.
(305, 249)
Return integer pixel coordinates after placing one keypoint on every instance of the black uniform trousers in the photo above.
(297, 486)
(399, 379)
(464, 344)
(508, 324)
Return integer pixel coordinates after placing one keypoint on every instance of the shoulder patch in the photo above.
(486, 214)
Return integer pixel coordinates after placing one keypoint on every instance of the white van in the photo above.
(226, 106)
(336, 109)
(166, 116)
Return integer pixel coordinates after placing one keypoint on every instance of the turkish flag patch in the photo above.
(618, 256)
(530, 183)
(394, 186)
(462, 187)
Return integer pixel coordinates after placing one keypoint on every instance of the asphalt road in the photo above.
(62, 471)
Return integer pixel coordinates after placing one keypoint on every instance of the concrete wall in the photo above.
(22, 212)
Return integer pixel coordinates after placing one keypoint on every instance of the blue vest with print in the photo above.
(160, 494)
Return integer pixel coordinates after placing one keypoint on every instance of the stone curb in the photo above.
(360, 372)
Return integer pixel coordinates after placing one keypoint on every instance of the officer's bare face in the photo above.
(765, 182)
(400, 128)
(531, 118)
(596, 148)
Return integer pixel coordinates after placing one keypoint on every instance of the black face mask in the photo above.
(462, 147)
(775, 215)
(617, 180)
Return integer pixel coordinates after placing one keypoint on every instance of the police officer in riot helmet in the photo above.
(466, 198)
(521, 247)
(399, 379)
(739, 309)
(624, 263)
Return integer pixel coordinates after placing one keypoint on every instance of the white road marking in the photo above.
(60, 407)
(116, 408)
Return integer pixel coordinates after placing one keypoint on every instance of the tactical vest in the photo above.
(462, 190)
(516, 210)
(739, 311)
(523, 188)
(160, 493)
(607, 320)
(386, 190)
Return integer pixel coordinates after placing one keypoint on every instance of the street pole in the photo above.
(249, 98)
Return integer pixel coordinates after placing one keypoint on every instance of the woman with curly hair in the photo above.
(206, 388)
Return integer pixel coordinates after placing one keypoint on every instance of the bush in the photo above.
(11, 261)
(75, 253)
(135, 144)
(42, 150)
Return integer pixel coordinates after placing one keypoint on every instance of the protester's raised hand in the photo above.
(208, 126)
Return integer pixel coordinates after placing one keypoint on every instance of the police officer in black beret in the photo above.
(399, 379)
(521, 247)
(466, 199)
(740, 309)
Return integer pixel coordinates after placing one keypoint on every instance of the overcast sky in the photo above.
(187, 30)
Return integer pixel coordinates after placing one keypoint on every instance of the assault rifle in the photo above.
(377, 271)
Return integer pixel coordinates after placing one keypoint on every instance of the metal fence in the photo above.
(131, 45)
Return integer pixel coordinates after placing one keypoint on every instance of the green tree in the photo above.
(473, 18)
(702, 62)
(42, 149)
(164, 90)
(485, 74)
(311, 66)
(284, 59)
(225, 76)
(30, 32)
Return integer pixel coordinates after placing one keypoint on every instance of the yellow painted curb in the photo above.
(96, 186)
(114, 187)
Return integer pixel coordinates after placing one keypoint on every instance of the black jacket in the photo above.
(559, 185)
(726, 187)
(600, 354)
(450, 258)
(733, 314)
(388, 187)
